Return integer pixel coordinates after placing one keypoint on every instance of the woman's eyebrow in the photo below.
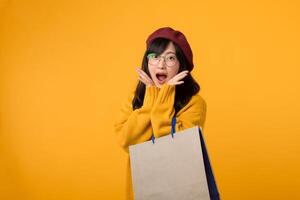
(170, 52)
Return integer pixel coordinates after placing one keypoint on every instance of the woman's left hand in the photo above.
(176, 79)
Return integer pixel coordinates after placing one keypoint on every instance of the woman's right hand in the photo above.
(143, 77)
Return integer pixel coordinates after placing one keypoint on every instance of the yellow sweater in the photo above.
(154, 117)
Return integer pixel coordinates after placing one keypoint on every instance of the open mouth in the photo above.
(161, 77)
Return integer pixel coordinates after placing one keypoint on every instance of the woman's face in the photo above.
(165, 68)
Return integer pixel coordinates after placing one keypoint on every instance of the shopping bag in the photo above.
(174, 167)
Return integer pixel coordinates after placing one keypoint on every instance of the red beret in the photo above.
(176, 37)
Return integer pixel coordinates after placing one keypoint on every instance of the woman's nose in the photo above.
(161, 63)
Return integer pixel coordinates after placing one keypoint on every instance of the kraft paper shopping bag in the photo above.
(173, 167)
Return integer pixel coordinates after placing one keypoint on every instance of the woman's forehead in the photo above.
(170, 48)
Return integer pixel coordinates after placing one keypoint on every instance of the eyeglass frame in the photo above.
(164, 57)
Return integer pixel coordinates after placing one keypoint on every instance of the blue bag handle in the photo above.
(172, 129)
(212, 186)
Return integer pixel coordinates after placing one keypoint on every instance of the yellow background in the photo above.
(66, 66)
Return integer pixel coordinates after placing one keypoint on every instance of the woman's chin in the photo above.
(158, 85)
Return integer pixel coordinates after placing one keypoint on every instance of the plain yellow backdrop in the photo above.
(66, 66)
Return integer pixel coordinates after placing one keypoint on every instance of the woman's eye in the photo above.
(153, 55)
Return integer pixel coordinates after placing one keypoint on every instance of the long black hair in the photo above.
(183, 92)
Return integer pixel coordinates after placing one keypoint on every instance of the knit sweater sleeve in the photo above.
(192, 114)
(133, 126)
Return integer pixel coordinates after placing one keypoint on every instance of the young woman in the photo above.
(166, 89)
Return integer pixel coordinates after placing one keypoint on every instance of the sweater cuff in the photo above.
(166, 94)
(151, 94)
